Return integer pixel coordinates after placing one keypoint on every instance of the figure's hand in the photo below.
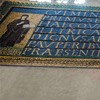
(26, 26)
(20, 23)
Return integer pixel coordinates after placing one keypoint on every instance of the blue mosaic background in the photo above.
(64, 33)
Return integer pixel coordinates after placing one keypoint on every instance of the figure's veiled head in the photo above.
(24, 17)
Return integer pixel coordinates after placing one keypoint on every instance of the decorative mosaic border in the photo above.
(38, 61)
(52, 62)
(7, 5)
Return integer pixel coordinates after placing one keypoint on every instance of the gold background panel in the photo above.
(33, 18)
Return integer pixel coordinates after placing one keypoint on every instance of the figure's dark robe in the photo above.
(14, 34)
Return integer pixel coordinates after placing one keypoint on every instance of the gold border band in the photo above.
(56, 62)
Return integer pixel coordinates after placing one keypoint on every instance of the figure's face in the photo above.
(24, 17)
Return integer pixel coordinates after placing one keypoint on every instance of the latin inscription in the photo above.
(66, 34)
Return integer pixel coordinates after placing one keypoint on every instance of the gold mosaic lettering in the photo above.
(59, 52)
(47, 51)
(83, 52)
(35, 51)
